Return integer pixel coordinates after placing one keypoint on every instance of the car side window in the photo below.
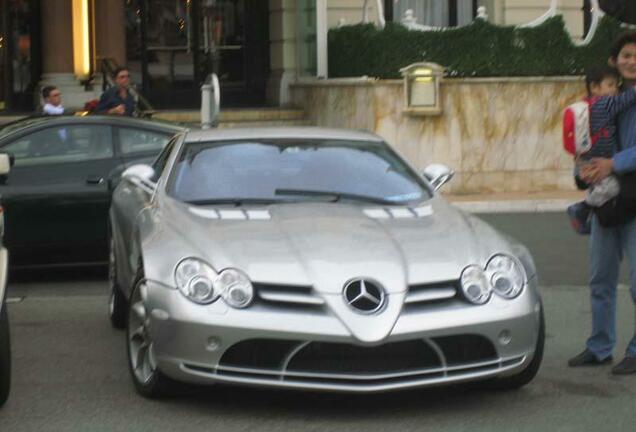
(160, 163)
(133, 141)
(60, 144)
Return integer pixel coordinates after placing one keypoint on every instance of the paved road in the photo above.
(70, 371)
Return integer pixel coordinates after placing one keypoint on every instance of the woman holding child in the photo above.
(608, 244)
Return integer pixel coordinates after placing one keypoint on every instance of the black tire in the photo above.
(5, 354)
(158, 385)
(525, 376)
(117, 304)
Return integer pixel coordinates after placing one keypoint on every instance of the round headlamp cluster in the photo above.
(503, 275)
(475, 285)
(198, 282)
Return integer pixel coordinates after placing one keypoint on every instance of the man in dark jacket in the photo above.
(117, 99)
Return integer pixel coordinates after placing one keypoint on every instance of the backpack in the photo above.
(577, 136)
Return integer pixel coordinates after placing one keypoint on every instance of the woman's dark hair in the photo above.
(620, 42)
(596, 74)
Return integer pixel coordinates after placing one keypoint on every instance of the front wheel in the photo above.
(148, 379)
(117, 304)
(5, 354)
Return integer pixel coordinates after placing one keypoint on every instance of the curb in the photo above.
(514, 206)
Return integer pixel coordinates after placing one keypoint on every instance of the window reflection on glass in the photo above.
(170, 39)
(435, 13)
(141, 141)
(260, 169)
(307, 52)
(62, 144)
(223, 38)
(20, 11)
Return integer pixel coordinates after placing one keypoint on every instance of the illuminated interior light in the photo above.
(423, 71)
(81, 37)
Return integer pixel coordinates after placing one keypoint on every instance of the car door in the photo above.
(56, 197)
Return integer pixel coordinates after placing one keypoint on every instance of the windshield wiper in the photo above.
(335, 196)
(235, 201)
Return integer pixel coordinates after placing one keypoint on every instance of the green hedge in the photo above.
(479, 49)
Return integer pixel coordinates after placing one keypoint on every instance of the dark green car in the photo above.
(57, 195)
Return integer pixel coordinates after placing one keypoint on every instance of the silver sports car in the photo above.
(312, 258)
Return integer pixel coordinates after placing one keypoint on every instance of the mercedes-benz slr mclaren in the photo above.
(312, 258)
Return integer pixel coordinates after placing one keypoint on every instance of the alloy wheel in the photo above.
(139, 341)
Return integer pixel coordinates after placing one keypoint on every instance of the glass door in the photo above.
(4, 58)
(306, 36)
(20, 49)
(159, 39)
(174, 44)
(235, 46)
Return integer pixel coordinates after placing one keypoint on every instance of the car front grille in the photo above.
(304, 297)
(348, 366)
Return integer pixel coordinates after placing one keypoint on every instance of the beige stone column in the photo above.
(282, 43)
(57, 37)
(57, 53)
(110, 31)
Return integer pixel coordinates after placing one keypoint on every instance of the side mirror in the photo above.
(141, 175)
(6, 162)
(139, 172)
(438, 175)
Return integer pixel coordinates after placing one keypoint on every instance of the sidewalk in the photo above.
(519, 202)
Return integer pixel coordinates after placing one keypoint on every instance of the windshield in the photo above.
(283, 170)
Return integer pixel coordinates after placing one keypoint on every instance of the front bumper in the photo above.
(202, 344)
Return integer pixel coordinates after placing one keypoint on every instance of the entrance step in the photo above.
(236, 118)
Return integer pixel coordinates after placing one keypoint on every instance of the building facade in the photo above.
(256, 47)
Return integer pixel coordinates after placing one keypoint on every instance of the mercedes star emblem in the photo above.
(363, 296)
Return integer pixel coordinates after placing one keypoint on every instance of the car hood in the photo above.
(325, 245)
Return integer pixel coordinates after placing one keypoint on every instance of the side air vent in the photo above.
(291, 295)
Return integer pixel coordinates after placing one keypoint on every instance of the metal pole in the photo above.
(143, 43)
(195, 16)
(210, 102)
(321, 38)
(206, 105)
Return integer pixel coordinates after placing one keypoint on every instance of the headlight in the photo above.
(200, 283)
(507, 276)
(195, 279)
(235, 287)
(475, 285)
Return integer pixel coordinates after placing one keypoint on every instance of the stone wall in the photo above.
(499, 135)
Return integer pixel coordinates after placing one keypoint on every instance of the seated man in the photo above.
(117, 99)
(52, 101)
